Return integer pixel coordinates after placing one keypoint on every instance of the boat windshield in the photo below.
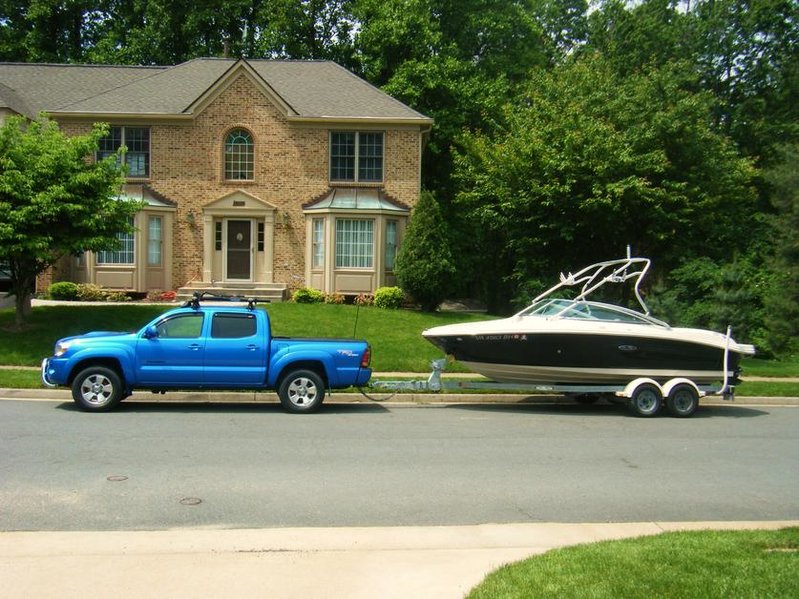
(564, 308)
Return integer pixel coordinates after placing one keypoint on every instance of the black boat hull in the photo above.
(564, 358)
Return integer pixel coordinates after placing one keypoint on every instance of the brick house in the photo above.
(259, 176)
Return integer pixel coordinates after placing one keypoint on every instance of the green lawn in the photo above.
(695, 565)
(395, 335)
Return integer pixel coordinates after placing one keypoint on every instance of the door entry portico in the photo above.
(239, 250)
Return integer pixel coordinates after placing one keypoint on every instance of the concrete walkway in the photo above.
(351, 563)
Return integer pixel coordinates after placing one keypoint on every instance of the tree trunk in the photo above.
(22, 300)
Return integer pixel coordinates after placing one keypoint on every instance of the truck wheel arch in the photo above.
(312, 365)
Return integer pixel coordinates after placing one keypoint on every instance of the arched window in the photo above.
(238, 155)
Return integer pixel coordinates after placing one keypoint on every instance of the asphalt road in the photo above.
(152, 466)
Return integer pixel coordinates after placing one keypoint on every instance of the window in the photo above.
(183, 326)
(238, 156)
(233, 326)
(126, 252)
(261, 237)
(356, 156)
(218, 236)
(154, 241)
(318, 243)
(354, 243)
(391, 243)
(137, 143)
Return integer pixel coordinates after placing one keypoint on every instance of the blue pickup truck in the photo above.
(205, 347)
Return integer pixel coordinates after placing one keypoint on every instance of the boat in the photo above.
(563, 340)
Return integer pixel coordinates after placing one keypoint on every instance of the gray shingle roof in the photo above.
(310, 89)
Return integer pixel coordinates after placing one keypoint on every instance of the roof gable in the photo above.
(303, 90)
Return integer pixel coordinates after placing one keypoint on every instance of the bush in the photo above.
(364, 299)
(306, 295)
(389, 298)
(425, 266)
(63, 290)
(117, 296)
(89, 292)
(334, 298)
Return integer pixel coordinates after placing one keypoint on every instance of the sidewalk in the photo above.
(351, 563)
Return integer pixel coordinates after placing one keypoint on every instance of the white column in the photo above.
(208, 247)
(268, 272)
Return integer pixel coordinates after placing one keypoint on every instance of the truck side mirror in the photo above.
(150, 332)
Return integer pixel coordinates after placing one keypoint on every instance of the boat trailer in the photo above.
(643, 395)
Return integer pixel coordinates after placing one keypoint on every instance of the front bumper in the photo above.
(47, 374)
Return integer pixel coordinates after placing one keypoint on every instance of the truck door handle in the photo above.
(195, 346)
(252, 347)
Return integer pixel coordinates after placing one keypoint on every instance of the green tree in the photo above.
(424, 265)
(591, 161)
(782, 300)
(53, 201)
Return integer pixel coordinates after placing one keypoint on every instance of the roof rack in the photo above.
(199, 296)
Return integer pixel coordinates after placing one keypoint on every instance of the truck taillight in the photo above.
(366, 358)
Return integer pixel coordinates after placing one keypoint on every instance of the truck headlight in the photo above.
(60, 349)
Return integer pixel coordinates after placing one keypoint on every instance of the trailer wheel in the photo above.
(682, 401)
(646, 400)
(301, 392)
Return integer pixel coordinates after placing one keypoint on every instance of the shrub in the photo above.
(334, 298)
(117, 296)
(425, 266)
(364, 299)
(63, 290)
(389, 298)
(306, 295)
(89, 292)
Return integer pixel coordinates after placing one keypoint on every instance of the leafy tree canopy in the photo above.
(590, 161)
(53, 201)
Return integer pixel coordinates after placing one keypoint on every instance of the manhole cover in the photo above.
(191, 501)
(116, 478)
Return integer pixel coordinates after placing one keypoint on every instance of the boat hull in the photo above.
(574, 358)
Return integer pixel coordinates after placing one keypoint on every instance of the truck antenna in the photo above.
(357, 312)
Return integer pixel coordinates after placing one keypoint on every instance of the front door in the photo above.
(239, 250)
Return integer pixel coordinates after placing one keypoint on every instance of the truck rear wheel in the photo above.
(97, 389)
(301, 392)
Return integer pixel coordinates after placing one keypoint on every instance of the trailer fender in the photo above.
(633, 385)
(681, 381)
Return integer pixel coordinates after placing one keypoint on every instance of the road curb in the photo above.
(357, 398)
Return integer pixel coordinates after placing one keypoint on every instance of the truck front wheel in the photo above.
(97, 389)
(301, 392)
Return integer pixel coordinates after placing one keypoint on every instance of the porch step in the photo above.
(272, 292)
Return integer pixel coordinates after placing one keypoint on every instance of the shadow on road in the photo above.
(606, 410)
(254, 407)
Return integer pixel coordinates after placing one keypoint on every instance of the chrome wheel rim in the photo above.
(96, 389)
(302, 391)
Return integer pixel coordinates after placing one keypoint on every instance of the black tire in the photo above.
(646, 401)
(301, 392)
(682, 401)
(97, 389)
